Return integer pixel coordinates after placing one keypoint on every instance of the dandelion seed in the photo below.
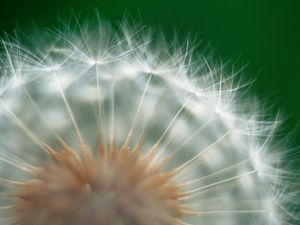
(107, 127)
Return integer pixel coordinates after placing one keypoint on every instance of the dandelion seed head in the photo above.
(118, 126)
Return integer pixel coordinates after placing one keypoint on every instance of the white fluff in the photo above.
(75, 83)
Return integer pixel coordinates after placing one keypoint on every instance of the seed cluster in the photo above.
(114, 186)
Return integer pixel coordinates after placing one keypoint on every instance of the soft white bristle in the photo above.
(130, 85)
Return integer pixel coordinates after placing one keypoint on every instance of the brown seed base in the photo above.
(112, 187)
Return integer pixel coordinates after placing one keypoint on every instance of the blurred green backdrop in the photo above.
(263, 33)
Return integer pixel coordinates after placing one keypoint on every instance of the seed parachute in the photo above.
(103, 125)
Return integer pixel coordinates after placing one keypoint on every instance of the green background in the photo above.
(263, 33)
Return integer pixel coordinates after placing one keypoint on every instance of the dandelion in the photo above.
(103, 126)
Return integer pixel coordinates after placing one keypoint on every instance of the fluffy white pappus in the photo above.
(73, 85)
